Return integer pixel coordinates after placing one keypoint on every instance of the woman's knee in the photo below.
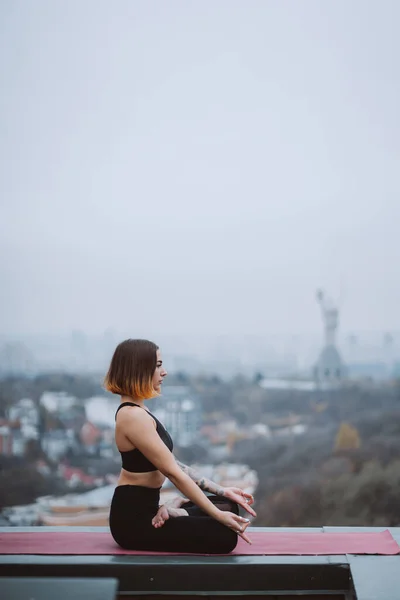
(226, 543)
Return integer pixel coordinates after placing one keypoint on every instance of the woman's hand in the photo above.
(235, 522)
(240, 497)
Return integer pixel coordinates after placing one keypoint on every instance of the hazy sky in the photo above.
(198, 166)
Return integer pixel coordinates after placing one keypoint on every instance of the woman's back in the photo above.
(136, 469)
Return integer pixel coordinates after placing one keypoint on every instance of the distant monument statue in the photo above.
(329, 368)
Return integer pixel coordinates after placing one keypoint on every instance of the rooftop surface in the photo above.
(349, 577)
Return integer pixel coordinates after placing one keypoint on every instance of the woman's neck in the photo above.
(134, 400)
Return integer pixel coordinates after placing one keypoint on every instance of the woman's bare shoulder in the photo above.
(134, 414)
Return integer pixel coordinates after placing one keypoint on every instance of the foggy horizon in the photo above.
(199, 169)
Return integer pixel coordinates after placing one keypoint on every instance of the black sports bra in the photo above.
(133, 460)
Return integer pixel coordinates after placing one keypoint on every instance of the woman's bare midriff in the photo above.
(153, 479)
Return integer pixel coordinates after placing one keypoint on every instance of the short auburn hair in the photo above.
(132, 368)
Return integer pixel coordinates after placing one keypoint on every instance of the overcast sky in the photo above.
(199, 166)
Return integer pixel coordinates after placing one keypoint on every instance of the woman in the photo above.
(196, 523)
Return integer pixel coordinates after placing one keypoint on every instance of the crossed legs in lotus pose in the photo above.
(182, 507)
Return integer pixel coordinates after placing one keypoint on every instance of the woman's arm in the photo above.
(139, 428)
(236, 494)
(204, 484)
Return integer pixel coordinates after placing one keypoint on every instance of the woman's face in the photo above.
(159, 373)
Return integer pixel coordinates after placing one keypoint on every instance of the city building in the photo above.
(56, 443)
(180, 412)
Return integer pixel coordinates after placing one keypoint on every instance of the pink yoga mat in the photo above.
(273, 544)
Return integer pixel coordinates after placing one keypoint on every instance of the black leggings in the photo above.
(133, 508)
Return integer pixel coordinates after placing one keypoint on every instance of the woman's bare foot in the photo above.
(167, 511)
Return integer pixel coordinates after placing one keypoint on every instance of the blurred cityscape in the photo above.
(316, 440)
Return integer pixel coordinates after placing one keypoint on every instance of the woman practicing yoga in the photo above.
(193, 523)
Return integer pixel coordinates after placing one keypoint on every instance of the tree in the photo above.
(347, 438)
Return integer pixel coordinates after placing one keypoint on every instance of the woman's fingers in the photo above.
(242, 525)
(246, 495)
(242, 498)
(245, 537)
(247, 507)
(236, 523)
(248, 498)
